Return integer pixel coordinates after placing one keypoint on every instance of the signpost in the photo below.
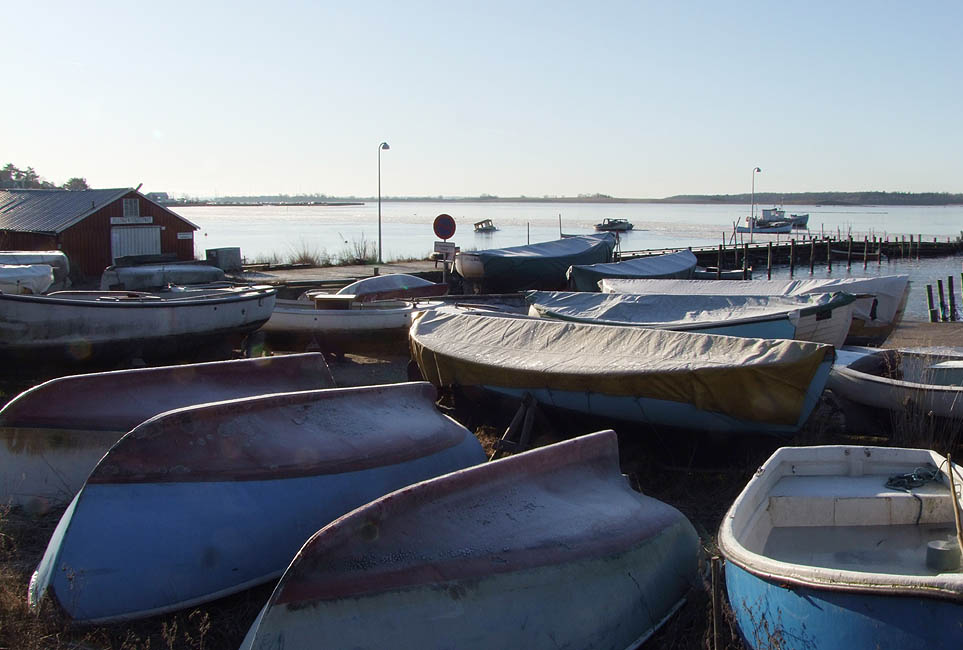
(444, 227)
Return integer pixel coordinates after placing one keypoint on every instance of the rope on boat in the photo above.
(917, 478)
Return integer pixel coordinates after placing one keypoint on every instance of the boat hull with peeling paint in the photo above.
(547, 549)
(205, 501)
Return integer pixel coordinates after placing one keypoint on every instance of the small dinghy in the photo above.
(701, 382)
(845, 547)
(202, 502)
(54, 433)
(547, 549)
(885, 388)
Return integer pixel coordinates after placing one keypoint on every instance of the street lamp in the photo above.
(752, 203)
(383, 145)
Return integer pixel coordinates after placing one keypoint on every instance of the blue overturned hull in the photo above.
(803, 618)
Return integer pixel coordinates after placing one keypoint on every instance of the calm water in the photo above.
(263, 232)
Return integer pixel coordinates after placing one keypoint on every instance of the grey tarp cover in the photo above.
(673, 310)
(713, 373)
(585, 277)
(25, 278)
(155, 276)
(889, 291)
(543, 265)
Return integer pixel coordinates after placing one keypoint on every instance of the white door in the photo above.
(134, 240)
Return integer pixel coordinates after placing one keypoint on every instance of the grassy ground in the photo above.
(697, 475)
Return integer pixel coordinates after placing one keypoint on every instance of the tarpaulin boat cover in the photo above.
(584, 277)
(889, 291)
(675, 310)
(543, 265)
(755, 379)
(25, 278)
(57, 259)
(156, 276)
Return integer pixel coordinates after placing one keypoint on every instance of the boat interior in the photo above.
(918, 368)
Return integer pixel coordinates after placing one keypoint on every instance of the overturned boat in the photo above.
(54, 434)
(586, 277)
(205, 501)
(550, 548)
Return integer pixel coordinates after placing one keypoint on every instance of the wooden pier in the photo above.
(807, 251)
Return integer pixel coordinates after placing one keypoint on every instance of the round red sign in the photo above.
(444, 226)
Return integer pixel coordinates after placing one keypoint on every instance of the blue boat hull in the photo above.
(804, 618)
(132, 550)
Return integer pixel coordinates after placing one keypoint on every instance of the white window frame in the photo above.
(131, 207)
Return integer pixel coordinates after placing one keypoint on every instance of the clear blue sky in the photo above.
(630, 99)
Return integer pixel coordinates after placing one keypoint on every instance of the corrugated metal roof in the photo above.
(51, 211)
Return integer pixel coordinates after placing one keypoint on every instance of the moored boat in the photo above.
(701, 382)
(83, 327)
(614, 225)
(842, 547)
(546, 549)
(536, 266)
(878, 309)
(485, 225)
(586, 277)
(54, 434)
(755, 225)
(820, 318)
(209, 500)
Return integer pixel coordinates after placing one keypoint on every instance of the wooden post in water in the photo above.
(919, 240)
(934, 314)
(812, 254)
(829, 256)
(792, 256)
(865, 250)
(719, 262)
(769, 262)
(879, 252)
(939, 289)
(745, 261)
(849, 253)
(949, 290)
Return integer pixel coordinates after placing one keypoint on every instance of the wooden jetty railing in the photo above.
(812, 249)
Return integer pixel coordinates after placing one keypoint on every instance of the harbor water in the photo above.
(271, 232)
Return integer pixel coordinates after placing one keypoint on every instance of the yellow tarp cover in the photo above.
(755, 379)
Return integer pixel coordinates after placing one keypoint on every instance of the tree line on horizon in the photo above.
(12, 177)
(827, 198)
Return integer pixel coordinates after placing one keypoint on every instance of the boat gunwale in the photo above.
(785, 574)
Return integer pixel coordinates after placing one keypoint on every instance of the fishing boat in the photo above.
(549, 548)
(69, 328)
(54, 434)
(640, 375)
(535, 266)
(485, 225)
(843, 547)
(614, 225)
(882, 389)
(878, 309)
(205, 501)
(800, 221)
(340, 324)
(820, 318)
(762, 228)
(391, 286)
(585, 277)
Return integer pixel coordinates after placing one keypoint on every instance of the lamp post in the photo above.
(383, 145)
(752, 204)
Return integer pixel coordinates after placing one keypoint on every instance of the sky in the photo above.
(629, 99)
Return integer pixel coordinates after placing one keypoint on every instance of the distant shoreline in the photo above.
(839, 199)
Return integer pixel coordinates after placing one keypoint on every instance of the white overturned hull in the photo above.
(546, 549)
(53, 435)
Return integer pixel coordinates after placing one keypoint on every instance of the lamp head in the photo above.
(757, 170)
(384, 145)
